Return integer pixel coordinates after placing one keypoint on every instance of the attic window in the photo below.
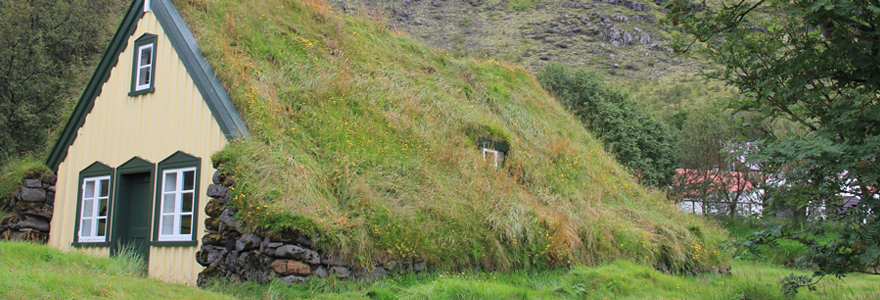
(143, 69)
(493, 156)
(493, 150)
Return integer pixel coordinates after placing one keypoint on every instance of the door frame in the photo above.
(135, 165)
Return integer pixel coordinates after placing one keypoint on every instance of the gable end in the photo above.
(229, 120)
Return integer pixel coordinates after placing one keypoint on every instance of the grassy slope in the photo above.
(365, 139)
(39, 272)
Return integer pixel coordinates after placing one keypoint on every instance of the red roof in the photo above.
(733, 181)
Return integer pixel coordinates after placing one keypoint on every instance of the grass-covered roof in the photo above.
(366, 139)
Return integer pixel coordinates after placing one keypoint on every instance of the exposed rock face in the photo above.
(32, 208)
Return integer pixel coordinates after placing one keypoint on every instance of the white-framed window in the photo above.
(144, 66)
(93, 209)
(494, 157)
(177, 204)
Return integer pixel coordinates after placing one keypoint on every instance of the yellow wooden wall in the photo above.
(152, 126)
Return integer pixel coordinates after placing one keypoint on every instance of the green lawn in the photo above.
(35, 271)
(30, 271)
(617, 280)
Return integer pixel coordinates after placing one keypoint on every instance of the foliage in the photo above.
(47, 48)
(637, 139)
(712, 174)
(814, 63)
(366, 139)
(39, 271)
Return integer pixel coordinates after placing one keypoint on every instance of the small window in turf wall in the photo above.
(493, 151)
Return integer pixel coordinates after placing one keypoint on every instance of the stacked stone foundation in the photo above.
(229, 253)
(32, 207)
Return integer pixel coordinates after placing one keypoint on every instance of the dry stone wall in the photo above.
(231, 253)
(32, 207)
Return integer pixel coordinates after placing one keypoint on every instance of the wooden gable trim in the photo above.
(230, 121)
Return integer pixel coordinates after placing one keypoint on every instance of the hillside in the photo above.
(365, 139)
(625, 40)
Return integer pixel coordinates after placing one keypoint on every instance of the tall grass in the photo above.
(32, 271)
(365, 139)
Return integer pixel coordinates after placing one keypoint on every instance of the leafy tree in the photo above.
(713, 175)
(47, 48)
(637, 139)
(815, 63)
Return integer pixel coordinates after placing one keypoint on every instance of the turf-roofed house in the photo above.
(133, 161)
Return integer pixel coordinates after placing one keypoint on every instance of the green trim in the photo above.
(96, 83)
(145, 39)
(90, 245)
(132, 166)
(94, 170)
(230, 121)
(177, 160)
(174, 243)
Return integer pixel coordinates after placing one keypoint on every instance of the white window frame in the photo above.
(96, 210)
(178, 206)
(496, 156)
(149, 67)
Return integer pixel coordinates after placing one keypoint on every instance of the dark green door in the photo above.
(132, 222)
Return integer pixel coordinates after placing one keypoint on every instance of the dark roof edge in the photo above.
(224, 111)
(95, 85)
(230, 121)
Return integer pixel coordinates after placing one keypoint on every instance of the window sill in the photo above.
(174, 243)
(89, 244)
(141, 92)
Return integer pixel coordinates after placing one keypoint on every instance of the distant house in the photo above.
(132, 159)
(717, 192)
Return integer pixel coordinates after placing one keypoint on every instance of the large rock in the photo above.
(217, 191)
(247, 241)
(212, 224)
(38, 209)
(32, 222)
(214, 208)
(32, 195)
(227, 217)
(50, 197)
(286, 267)
(341, 272)
(33, 183)
(214, 239)
(299, 253)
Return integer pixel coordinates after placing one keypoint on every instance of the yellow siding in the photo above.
(152, 126)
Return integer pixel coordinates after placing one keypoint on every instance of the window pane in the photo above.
(102, 225)
(167, 224)
(86, 229)
(146, 56)
(189, 180)
(88, 209)
(187, 203)
(169, 203)
(102, 212)
(144, 76)
(89, 191)
(105, 187)
(185, 224)
(170, 182)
